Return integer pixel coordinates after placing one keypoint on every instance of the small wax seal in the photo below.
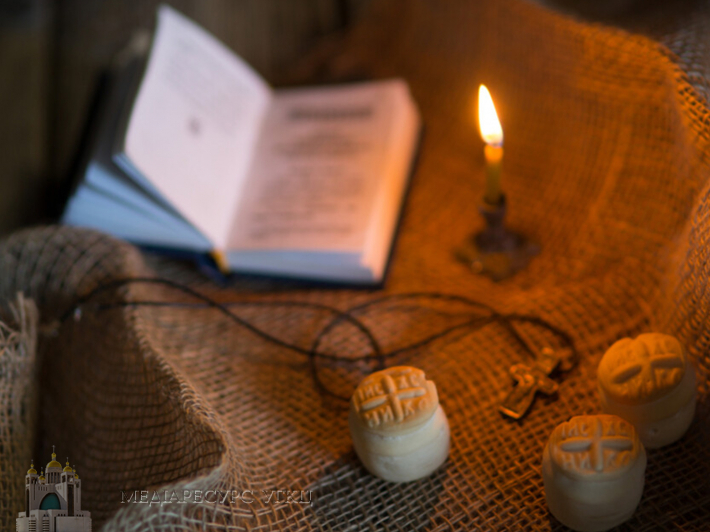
(649, 382)
(593, 471)
(399, 430)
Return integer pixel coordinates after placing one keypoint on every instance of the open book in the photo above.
(203, 156)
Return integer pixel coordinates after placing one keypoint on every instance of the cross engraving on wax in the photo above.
(593, 471)
(650, 382)
(395, 399)
(644, 368)
(584, 449)
(399, 429)
(530, 380)
(594, 446)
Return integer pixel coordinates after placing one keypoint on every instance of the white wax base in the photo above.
(596, 505)
(406, 457)
(655, 433)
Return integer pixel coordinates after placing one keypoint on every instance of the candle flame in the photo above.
(491, 130)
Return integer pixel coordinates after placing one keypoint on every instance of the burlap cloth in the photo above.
(606, 166)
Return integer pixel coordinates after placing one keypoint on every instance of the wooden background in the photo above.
(51, 54)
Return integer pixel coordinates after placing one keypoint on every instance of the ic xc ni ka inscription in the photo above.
(594, 445)
(395, 398)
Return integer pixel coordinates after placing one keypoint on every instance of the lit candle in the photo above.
(492, 135)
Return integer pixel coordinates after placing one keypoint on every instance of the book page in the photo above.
(320, 163)
(195, 123)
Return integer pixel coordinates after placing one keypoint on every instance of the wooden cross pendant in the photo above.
(530, 380)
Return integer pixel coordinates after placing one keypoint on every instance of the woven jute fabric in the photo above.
(606, 145)
(18, 397)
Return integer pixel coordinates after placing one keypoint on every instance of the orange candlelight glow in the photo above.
(488, 123)
(492, 135)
